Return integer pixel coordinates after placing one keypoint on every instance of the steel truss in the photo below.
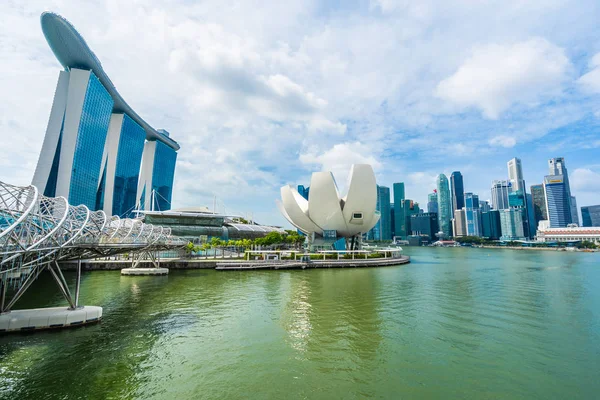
(37, 232)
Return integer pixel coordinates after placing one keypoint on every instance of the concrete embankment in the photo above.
(224, 264)
(266, 265)
(112, 265)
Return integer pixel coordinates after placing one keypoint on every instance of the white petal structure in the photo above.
(351, 215)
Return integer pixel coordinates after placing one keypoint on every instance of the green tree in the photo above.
(586, 245)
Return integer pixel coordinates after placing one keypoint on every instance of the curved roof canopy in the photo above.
(72, 51)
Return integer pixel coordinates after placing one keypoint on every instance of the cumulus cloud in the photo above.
(497, 76)
(339, 158)
(261, 94)
(503, 141)
(590, 82)
(585, 180)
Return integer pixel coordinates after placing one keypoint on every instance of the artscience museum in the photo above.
(326, 216)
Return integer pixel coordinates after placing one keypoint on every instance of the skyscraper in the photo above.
(538, 198)
(500, 191)
(491, 226)
(424, 224)
(95, 144)
(459, 224)
(432, 202)
(557, 201)
(156, 177)
(484, 206)
(472, 215)
(511, 222)
(574, 213)
(383, 206)
(557, 166)
(515, 174)
(399, 224)
(518, 201)
(590, 216)
(458, 189)
(444, 205)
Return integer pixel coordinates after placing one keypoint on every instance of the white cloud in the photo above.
(503, 141)
(590, 82)
(585, 180)
(497, 76)
(340, 158)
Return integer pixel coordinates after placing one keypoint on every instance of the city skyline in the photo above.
(256, 105)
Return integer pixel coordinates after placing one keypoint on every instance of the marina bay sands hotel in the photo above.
(97, 150)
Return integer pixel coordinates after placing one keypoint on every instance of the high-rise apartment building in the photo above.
(399, 224)
(590, 216)
(97, 151)
(574, 213)
(444, 205)
(500, 191)
(457, 188)
(432, 202)
(472, 215)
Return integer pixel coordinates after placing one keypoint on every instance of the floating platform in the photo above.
(292, 264)
(48, 318)
(145, 271)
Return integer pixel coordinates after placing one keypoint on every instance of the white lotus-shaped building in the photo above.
(326, 210)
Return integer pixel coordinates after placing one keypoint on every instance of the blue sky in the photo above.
(261, 93)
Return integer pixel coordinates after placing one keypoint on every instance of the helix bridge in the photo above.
(38, 232)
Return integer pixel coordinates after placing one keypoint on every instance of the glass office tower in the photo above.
(590, 216)
(558, 201)
(156, 179)
(472, 215)
(432, 202)
(383, 229)
(399, 224)
(458, 189)
(538, 198)
(500, 191)
(444, 205)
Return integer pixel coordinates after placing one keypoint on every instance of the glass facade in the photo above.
(163, 173)
(558, 201)
(91, 136)
(472, 215)
(458, 190)
(500, 191)
(399, 224)
(432, 202)
(50, 189)
(383, 229)
(129, 158)
(424, 224)
(511, 222)
(491, 226)
(304, 191)
(444, 205)
(590, 216)
(538, 198)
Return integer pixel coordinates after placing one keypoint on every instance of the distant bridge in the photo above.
(36, 232)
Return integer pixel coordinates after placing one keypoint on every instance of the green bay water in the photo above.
(455, 323)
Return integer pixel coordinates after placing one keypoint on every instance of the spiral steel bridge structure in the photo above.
(36, 232)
